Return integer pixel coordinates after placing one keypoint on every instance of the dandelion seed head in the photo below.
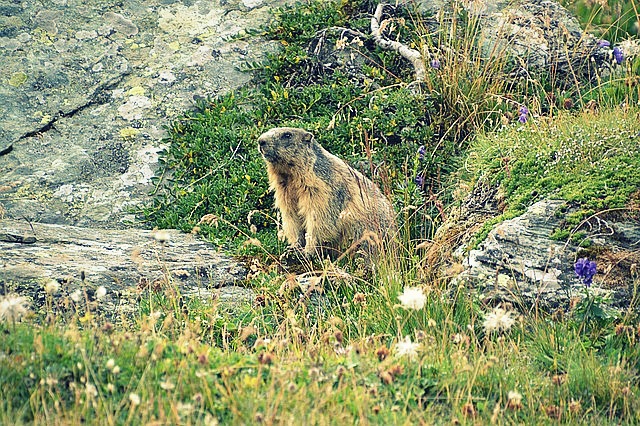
(91, 390)
(514, 400)
(51, 286)
(184, 408)
(110, 364)
(498, 320)
(406, 348)
(167, 385)
(413, 298)
(134, 398)
(101, 292)
(76, 295)
(13, 308)
(162, 236)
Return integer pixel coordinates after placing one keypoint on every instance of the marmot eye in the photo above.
(287, 135)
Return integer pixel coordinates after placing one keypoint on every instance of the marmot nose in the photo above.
(261, 142)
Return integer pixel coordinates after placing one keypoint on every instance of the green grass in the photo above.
(613, 20)
(287, 360)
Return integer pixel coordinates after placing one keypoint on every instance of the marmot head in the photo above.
(286, 146)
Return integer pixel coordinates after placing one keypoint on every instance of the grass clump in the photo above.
(591, 160)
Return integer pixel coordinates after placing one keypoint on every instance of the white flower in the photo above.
(76, 295)
(514, 400)
(13, 307)
(504, 280)
(116, 370)
(341, 43)
(162, 236)
(101, 292)
(406, 347)
(134, 398)
(52, 287)
(184, 408)
(110, 364)
(91, 390)
(167, 385)
(498, 320)
(514, 396)
(413, 298)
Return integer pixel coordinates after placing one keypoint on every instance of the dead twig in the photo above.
(412, 55)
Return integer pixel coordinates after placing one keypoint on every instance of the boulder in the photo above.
(127, 263)
(538, 35)
(90, 88)
(520, 262)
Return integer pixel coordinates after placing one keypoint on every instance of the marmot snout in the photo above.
(325, 204)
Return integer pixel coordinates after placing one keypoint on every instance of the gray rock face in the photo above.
(87, 90)
(124, 262)
(539, 34)
(521, 263)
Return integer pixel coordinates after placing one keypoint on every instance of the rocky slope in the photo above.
(89, 90)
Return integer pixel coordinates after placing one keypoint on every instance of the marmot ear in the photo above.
(308, 138)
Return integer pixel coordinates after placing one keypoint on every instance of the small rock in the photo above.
(133, 108)
(121, 24)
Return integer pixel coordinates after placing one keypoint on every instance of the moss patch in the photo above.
(590, 160)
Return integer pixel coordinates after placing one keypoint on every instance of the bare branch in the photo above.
(412, 55)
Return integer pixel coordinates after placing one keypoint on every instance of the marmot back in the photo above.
(325, 204)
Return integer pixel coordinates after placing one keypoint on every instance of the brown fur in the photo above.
(325, 204)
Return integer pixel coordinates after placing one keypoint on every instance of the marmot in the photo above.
(325, 205)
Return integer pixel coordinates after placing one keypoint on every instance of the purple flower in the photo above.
(435, 64)
(604, 43)
(618, 55)
(523, 114)
(419, 180)
(585, 270)
(422, 151)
